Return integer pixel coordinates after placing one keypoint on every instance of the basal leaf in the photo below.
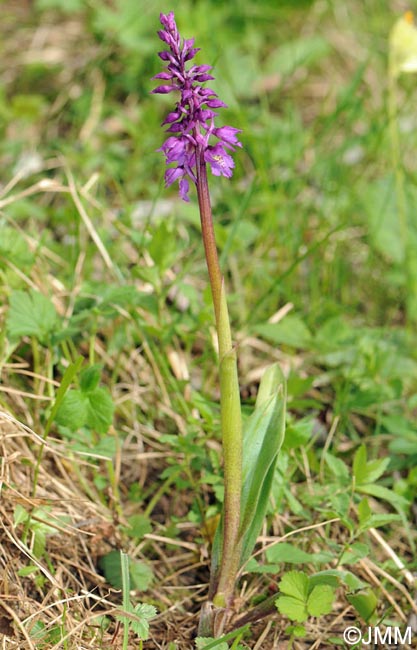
(262, 439)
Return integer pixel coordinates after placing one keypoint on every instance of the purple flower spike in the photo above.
(191, 123)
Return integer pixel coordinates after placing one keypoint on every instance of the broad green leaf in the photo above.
(100, 409)
(262, 439)
(140, 573)
(353, 553)
(296, 610)
(332, 577)
(31, 314)
(285, 552)
(320, 600)
(297, 631)
(290, 331)
(72, 413)
(295, 584)
(14, 248)
(384, 229)
(92, 409)
(364, 602)
(139, 525)
(90, 378)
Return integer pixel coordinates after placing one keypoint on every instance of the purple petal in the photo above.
(216, 103)
(163, 75)
(184, 187)
(220, 162)
(172, 174)
(164, 90)
(227, 134)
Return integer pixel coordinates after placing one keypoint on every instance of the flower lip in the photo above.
(191, 123)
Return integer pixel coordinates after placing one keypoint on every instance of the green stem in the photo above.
(411, 299)
(395, 149)
(229, 403)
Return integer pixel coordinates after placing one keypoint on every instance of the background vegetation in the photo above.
(119, 449)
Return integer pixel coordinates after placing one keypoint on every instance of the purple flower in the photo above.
(191, 123)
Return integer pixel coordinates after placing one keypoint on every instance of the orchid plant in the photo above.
(250, 452)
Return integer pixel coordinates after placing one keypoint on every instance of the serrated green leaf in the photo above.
(138, 618)
(338, 468)
(297, 631)
(31, 314)
(381, 492)
(320, 600)
(20, 515)
(295, 584)
(90, 378)
(144, 614)
(367, 472)
(296, 610)
(364, 511)
(100, 409)
(139, 525)
(374, 521)
(14, 248)
(72, 412)
(141, 575)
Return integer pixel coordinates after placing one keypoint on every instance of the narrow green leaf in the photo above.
(381, 492)
(67, 378)
(367, 472)
(262, 440)
(338, 468)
